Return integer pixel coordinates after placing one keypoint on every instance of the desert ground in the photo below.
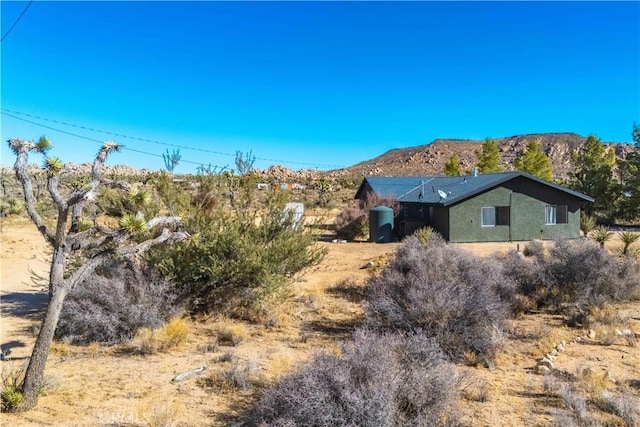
(110, 386)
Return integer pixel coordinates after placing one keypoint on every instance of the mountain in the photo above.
(429, 159)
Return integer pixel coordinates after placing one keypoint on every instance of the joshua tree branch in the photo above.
(21, 148)
(164, 221)
(53, 182)
(166, 237)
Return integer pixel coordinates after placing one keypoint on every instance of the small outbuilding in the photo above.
(499, 207)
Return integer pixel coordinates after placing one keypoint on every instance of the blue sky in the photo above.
(312, 85)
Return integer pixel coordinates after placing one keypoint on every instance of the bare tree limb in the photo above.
(96, 174)
(164, 221)
(166, 237)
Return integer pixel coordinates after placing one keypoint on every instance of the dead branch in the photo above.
(164, 221)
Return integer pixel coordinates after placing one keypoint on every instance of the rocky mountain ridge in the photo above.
(428, 159)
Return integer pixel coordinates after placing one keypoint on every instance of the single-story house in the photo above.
(498, 207)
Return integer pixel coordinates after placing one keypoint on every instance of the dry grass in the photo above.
(231, 333)
(172, 336)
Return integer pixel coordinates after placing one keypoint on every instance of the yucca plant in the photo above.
(140, 198)
(627, 238)
(601, 234)
(43, 145)
(133, 224)
(85, 224)
(11, 206)
(111, 146)
(53, 165)
(587, 224)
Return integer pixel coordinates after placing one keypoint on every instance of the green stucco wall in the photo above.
(527, 201)
(465, 218)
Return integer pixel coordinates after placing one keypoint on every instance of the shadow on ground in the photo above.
(23, 304)
(7, 348)
(340, 329)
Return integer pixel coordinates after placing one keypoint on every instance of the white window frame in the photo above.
(492, 210)
(550, 214)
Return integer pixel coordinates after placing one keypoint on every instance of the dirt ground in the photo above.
(93, 385)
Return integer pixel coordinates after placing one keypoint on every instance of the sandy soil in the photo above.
(88, 386)
(23, 251)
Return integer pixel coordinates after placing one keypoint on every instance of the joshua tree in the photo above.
(76, 237)
(171, 160)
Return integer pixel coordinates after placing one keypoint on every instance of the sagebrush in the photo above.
(114, 303)
(459, 299)
(380, 380)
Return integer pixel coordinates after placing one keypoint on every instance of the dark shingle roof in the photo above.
(427, 189)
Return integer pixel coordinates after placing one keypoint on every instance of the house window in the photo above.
(555, 214)
(488, 216)
(494, 215)
(502, 215)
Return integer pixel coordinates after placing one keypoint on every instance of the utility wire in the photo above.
(124, 147)
(17, 20)
(7, 110)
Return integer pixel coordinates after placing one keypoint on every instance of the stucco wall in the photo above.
(528, 212)
(527, 201)
(465, 218)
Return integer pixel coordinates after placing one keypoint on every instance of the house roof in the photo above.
(431, 189)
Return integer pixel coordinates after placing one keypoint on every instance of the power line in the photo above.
(102, 142)
(280, 161)
(17, 20)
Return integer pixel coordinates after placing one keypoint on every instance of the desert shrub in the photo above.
(624, 406)
(525, 275)
(534, 248)
(111, 305)
(587, 223)
(576, 274)
(11, 206)
(235, 376)
(239, 262)
(352, 222)
(11, 398)
(427, 235)
(231, 334)
(627, 238)
(459, 299)
(582, 272)
(601, 234)
(575, 403)
(381, 380)
(170, 336)
(10, 379)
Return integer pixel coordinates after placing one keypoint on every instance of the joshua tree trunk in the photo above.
(35, 370)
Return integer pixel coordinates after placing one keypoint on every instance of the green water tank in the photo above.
(381, 224)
